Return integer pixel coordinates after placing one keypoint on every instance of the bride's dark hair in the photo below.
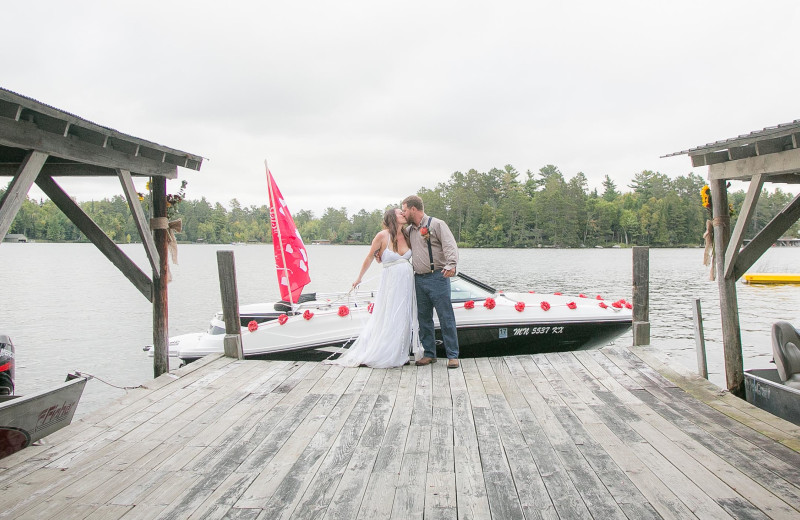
(390, 223)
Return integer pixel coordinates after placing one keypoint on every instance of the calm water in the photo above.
(67, 308)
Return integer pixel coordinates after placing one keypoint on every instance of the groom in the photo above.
(434, 255)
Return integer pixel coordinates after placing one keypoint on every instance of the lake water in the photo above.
(67, 308)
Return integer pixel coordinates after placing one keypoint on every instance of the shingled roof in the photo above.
(77, 146)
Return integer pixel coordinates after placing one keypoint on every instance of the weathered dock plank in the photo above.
(614, 433)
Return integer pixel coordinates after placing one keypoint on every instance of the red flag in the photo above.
(291, 259)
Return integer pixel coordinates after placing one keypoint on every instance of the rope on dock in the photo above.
(90, 376)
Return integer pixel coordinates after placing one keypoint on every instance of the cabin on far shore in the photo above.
(15, 237)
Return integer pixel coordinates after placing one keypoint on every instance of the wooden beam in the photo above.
(61, 170)
(742, 152)
(158, 188)
(729, 307)
(139, 219)
(226, 266)
(766, 237)
(18, 134)
(748, 208)
(96, 235)
(771, 164)
(18, 189)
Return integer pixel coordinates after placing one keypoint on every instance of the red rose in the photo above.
(603, 305)
(489, 303)
(370, 306)
(252, 326)
(557, 294)
(469, 304)
(344, 311)
(423, 231)
(545, 306)
(572, 305)
(581, 296)
(283, 319)
(520, 306)
(308, 314)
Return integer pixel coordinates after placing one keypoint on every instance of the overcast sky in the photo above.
(360, 103)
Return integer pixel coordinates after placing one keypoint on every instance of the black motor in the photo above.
(6, 366)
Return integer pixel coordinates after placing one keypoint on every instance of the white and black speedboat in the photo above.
(490, 323)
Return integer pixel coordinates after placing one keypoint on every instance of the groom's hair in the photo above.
(412, 201)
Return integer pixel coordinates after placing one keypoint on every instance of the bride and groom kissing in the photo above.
(418, 254)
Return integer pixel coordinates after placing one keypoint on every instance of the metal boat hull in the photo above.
(26, 419)
(765, 390)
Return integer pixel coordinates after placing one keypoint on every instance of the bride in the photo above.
(391, 331)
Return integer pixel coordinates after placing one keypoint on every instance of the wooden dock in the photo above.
(608, 434)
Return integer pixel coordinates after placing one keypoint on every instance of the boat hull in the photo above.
(772, 278)
(765, 390)
(26, 419)
(498, 331)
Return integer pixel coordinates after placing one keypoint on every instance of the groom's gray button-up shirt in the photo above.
(443, 246)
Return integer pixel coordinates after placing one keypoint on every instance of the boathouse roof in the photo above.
(77, 146)
(759, 143)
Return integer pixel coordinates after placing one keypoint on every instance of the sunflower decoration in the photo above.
(705, 197)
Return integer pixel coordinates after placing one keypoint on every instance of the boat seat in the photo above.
(786, 352)
(285, 306)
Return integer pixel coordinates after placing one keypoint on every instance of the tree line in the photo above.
(498, 208)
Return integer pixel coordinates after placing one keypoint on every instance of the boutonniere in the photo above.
(423, 232)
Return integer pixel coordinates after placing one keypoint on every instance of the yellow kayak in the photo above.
(772, 278)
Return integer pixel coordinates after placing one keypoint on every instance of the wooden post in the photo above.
(160, 301)
(699, 340)
(230, 304)
(728, 305)
(641, 295)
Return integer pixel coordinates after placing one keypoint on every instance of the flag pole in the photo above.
(274, 217)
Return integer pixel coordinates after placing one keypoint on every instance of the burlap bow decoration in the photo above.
(172, 227)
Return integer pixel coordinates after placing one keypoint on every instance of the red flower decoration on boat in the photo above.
(252, 326)
(572, 305)
(520, 306)
(370, 306)
(628, 305)
(581, 296)
(557, 294)
(532, 292)
(489, 303)
(283, 319)
(599, 297)
(343, 311)
(308, 314)
(616, 305)
(469, 304)
(545, 306)
(603, 305)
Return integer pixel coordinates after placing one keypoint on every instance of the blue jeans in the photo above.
(433, 292)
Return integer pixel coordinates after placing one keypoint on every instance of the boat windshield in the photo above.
(462, 289)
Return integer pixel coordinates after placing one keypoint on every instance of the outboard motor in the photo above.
(786, 352)
(6, 366)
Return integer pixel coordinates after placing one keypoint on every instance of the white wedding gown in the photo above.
(392, 330)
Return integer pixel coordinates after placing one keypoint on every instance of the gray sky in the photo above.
(360, 103)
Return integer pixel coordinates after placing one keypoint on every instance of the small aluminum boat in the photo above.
(26, 419)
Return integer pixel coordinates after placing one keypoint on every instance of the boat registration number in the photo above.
(530, 331)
